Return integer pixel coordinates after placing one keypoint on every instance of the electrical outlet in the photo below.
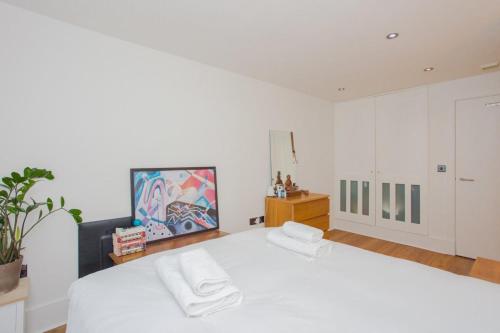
(256, 220)
(24, 271)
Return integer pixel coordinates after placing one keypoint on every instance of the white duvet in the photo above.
(349, 290)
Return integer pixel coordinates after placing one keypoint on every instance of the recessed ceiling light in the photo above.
(341, 89)
(392, 35)
(428, 69)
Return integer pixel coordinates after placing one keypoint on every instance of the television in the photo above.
(174, 202)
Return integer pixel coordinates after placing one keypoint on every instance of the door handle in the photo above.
(466, 179)
(489, 105)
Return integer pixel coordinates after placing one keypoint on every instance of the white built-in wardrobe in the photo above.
(381, 160)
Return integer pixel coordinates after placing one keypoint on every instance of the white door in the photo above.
(354, 150)
(478, 177)
(402, 150)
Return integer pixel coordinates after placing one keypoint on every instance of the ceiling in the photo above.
(315, 47)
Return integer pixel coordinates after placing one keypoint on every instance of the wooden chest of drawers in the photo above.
(312, 209)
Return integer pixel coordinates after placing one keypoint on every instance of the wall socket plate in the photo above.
(441, 168)
(24, 270)
(256, 220)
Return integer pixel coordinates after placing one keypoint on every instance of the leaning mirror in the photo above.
(283, 157)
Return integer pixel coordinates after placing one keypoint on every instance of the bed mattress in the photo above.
(349, 290)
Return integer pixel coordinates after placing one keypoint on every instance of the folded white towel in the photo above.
(168, 269)
(318, 249)
(202, 272)
(302, 232)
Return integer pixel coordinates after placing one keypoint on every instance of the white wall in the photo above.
(441, 195)
(90, 107)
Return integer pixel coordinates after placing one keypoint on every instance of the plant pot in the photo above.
(10, 275)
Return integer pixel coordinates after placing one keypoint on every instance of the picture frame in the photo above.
(174, 202)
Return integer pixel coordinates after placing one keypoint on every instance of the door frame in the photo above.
(456, 162)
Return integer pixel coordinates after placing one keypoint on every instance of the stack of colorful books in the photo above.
(129, 240)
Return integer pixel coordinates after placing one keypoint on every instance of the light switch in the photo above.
(441, 168)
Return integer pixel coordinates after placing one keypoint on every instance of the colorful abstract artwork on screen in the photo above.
(174, 202)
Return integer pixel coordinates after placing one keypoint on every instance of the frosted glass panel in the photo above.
(343, 196)
(386, 200)
(400, 202)
(366, 198)
(415, 204)
(354, 196)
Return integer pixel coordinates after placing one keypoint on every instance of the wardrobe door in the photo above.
(402, 160)
(354, 166)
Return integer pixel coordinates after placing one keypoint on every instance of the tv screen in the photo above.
(173, 202)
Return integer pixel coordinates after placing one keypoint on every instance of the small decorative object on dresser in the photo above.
(15, 222)
(280, 191)
(312, 209)
(279, 181)
(288, 183)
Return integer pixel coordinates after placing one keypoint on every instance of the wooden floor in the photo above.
(454, 264)
(60, 329)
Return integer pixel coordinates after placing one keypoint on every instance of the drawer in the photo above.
(309, 209)
(320, 222)
(8, 318)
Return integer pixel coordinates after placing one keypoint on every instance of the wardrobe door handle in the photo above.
(466, 179)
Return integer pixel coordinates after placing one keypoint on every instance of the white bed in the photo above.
(350, 290)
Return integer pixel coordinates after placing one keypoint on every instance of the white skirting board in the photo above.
(421, 241)
(47, 316)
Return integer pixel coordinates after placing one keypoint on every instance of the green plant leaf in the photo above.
(27, 186)
(4, 194)
(37, 173)
(17, 235)
(33, 207)
(75, 211)
(62, 202)
(50, 204)
(41, 173)
(12, 210)
(20, 197)
(17, 178)
(21, 209)
(77, 218)
(8, 181)
(27, 172)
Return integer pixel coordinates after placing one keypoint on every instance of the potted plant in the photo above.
(17, 221)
